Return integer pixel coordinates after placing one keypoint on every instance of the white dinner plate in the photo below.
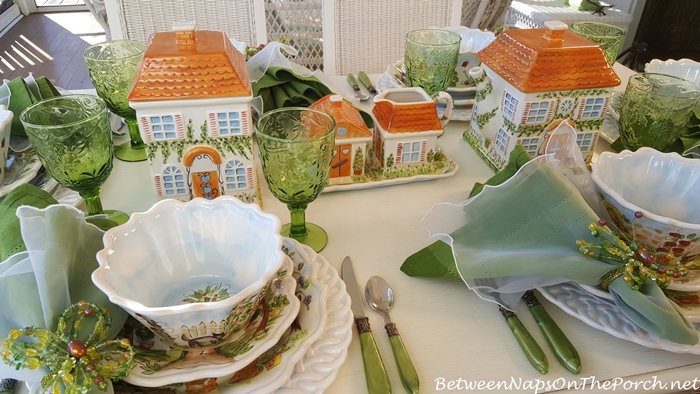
(606, 316)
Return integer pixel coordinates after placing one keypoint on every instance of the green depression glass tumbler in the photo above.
(609, 37)
(73, 139)
(112, 66)
(296, 149)
(655, 108)
(431, 58)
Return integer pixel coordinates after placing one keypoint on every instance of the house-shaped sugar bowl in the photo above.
(352, 139)
(530, 81)
(192, 99)
(406, 127)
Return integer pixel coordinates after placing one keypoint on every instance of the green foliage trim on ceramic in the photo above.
(482, 93)
(480, 79)
(241, 145)
(529, 130)
(483, 152)
(589, 124)
(359, 161)
(509, 125)
(483, 119)
(390, 160)
(573, 94)
(212, 293)
(152, 361)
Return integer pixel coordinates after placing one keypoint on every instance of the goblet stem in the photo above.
(92, 202)
(136, 141)
(297, 229)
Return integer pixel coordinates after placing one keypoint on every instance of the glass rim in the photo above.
(106, 43)
(449, 33)
(694, 89)
(300, 109)
(617, 30)
(100, 101)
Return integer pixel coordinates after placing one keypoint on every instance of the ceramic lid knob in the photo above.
(336, 100)
(554, 33)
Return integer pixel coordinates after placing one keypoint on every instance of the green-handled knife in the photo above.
(375, 373)
(364, 79)
(532, 350)
(563, 349)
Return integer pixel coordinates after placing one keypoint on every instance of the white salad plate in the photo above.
(308, 355)
(606, 316)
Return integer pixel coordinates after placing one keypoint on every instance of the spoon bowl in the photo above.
(379, 295)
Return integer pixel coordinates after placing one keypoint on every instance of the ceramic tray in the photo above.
(443, 169)
(311, 353)
(606, 316)
(157, 364)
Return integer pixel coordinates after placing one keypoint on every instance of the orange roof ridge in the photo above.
(533, 63)
(406, 118)
(345, 112)
(210, 68)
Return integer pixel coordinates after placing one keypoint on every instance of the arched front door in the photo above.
(203, 163)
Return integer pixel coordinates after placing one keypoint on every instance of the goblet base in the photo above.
(118, 217)
(125, 152)
(316, 237)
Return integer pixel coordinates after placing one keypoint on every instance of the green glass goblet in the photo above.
(296, 148)
(73, 139)
(112, 66)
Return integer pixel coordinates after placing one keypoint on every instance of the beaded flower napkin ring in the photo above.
(640, 263)
(71, 362)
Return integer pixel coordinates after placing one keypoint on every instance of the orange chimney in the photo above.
(184, 33)
(336, 101)
(554, 33)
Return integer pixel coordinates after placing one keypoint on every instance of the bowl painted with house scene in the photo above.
(192, 272)
(653, 198)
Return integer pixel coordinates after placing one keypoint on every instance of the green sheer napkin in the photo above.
(522, 234)
(51, 270)
(279, 87)
(20, 93)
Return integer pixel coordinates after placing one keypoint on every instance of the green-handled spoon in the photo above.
(381, 298)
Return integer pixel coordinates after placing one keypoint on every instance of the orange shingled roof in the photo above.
(406, 118)
(211, 67)
(533, 64)
(345, 115)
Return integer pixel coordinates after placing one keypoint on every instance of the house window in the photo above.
(502, 139)
(228, 123)
(411, 152)
(474, 113)
(236, 175)
(342, 131)
(591, 108)
(173, 181)
(163, 127)
(510, 105)
(537, 112)
(585, 141)
(530, 145)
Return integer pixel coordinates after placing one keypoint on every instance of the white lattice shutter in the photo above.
(581, 106)
(249, 175)
(605, 107)
(179, 126)
(245, 126)
(213, 125)
(399, 151)
(423, 146)
(146, 128)
(550, 112)
(525, 113)
(159, 185)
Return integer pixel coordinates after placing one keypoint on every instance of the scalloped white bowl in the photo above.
(193, 272)
(664, 187)
(681, 68)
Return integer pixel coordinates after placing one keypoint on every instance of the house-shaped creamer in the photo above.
(352, 137)
(530, 81)
(192, 99)
(406, 127)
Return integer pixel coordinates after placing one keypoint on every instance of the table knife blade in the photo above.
(375, 373)
(532, 350)
(563, 349)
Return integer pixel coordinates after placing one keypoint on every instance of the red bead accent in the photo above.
(676, 274)
(99, 378)
(76, 349)
(638, 214)
(90, 368)
(89, 312)
(602, 222)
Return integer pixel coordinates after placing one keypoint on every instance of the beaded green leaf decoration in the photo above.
(640, 263)
(72, 363)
